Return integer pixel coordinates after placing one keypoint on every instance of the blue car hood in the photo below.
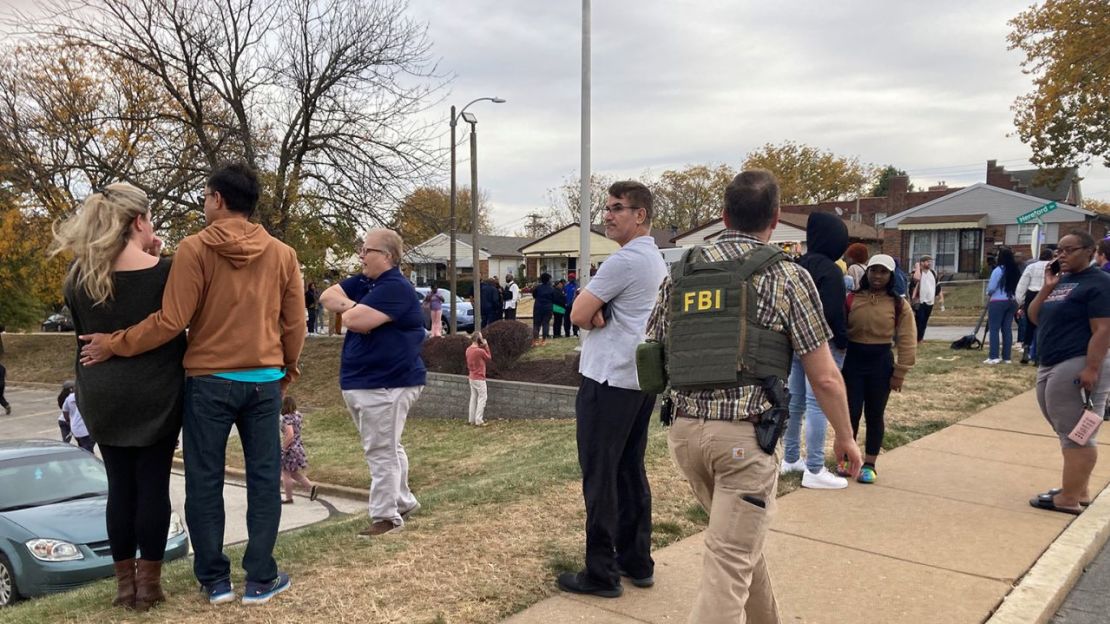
(77, 522)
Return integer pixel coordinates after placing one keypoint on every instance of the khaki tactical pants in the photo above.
(730, 476)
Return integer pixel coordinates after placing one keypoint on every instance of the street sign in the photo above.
(1036, 213)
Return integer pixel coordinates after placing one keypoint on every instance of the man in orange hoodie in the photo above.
(239, 291)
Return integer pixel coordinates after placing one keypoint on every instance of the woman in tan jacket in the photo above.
(877, 318)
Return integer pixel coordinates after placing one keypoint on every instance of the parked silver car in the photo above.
(464, 311)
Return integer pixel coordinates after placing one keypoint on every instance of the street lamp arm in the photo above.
(495, 100)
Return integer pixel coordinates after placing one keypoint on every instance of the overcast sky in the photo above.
(927, 88)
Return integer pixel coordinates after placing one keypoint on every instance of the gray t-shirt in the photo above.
(629, 283)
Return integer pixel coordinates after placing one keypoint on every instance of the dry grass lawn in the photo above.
(503, 511)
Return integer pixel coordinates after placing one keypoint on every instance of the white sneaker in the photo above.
(992, 361)
(1007, 361)
(823, 480)
(788, 467)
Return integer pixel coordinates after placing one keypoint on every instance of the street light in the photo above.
(454, 226)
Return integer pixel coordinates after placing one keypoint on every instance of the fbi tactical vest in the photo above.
(715, 339)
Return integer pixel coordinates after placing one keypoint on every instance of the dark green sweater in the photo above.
(129, 401)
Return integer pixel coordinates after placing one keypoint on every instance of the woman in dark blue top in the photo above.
(1072, 313)
(544, 296)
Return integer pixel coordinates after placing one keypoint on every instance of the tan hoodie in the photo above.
(871, 321)
(239, 292)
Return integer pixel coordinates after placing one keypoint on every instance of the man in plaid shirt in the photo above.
(713, 436)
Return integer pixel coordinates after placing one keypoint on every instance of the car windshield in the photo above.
(46, 479)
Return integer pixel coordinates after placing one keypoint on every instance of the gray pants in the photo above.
(380, 415)
(1060, 399)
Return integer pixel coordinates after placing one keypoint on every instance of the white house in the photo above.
(497, 255)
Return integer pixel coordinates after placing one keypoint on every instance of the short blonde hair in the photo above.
(96, 234)
(390, 242)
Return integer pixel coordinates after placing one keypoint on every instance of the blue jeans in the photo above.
(212, 406)
(803, 403)
(1000, 318)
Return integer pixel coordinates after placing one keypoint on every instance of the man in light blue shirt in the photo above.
(612, 413)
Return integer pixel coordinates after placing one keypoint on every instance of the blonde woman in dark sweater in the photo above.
(877, 318)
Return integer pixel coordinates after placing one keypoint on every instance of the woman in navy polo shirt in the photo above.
(1072, 313)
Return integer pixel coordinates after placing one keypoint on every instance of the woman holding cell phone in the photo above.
(1072, 313)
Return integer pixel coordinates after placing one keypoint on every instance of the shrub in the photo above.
(446, 354)
(508, 340)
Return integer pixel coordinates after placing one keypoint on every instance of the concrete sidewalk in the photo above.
(942, 537)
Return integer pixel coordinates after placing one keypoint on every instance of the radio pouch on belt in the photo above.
(650, 370)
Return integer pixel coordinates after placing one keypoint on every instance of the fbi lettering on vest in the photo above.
(701, 300)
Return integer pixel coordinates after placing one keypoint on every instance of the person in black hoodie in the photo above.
(826, 242)
(544, 296)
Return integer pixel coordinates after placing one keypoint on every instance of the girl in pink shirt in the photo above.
(477, 355)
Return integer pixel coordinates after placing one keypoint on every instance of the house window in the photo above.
(921, 243)
(945, 256)
(1025, 233)
(970, 251)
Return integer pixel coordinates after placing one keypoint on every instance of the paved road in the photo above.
(1088, 602)
(34, 415)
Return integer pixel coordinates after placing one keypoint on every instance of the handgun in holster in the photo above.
(666, 411)
(773, 421)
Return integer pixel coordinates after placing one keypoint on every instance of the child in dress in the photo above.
(293, 459)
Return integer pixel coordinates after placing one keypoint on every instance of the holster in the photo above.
(773, 422)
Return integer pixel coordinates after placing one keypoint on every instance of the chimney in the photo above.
(997, 176)
(896, 194)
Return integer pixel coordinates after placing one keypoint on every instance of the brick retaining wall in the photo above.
(448, 396)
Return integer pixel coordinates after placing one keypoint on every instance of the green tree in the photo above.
(1066, 118)
(808, 175)
(426, 212)
(882, 184)
(689, 197)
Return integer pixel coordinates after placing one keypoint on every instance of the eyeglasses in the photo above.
(1067, 251)
(204, 196)
(365, 250)
(618, 208)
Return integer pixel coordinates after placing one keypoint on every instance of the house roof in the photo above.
(1001, 206)
(662, 237)
(1051, 184)
(856, 230)
(497, 245)
(943, 219)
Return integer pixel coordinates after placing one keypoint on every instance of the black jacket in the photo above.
(826, 242)
(491, 299)
(544, 294)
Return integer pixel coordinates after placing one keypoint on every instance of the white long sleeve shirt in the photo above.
(1032, 279)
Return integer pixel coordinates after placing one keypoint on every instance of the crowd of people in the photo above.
(839, 328)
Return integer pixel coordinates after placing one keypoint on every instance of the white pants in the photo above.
(379, 416)
(477, 401)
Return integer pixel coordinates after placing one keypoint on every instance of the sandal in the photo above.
(287, 501)
(1045, 502)
(1055, 491)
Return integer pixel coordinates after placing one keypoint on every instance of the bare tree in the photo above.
(318, 95)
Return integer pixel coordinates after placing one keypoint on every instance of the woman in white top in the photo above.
(1028, 286)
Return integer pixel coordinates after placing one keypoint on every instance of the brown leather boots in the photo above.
(148, 584)
(138, 584)
(125, 584)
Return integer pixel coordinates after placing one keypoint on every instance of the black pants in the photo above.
(1030, 327)
(867, 372)
(557, 325)
(921, 315)
(138, 498)
(312, 320)
(510, 313)
(3, 380)
(612, 428)
(568, 327)
(541, 320)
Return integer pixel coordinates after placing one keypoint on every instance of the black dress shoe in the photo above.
(646, 581)
(581, 583)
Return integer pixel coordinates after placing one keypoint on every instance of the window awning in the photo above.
(944, 222)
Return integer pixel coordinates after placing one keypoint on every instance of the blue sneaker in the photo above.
(218, 592)
(867, 475)
(258, 593)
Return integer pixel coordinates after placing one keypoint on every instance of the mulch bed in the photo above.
(549, 372)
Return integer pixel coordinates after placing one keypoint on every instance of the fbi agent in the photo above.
(730, 316)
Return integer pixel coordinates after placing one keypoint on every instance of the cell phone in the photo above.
(1055, 267)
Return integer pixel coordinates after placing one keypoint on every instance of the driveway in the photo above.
(35, 413)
